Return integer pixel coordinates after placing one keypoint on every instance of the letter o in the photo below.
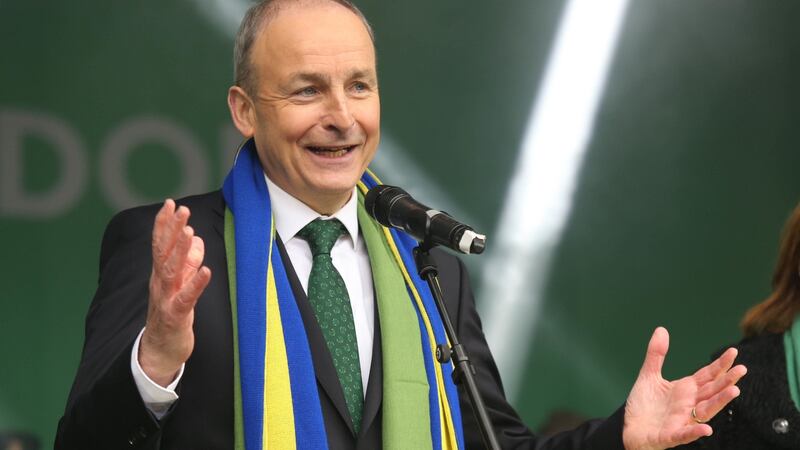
(120, 144)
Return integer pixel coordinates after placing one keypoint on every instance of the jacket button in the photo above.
(781, 426)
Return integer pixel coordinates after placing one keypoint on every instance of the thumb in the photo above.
(656, 352)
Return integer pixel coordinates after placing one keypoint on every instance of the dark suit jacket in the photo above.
(104, 409)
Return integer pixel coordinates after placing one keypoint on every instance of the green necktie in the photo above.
(328, 296)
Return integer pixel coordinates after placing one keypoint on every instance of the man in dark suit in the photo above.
(157, 365)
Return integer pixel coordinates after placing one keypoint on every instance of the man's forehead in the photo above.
(299, 9)
(322, 28)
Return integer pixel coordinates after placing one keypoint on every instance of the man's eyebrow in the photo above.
(364, 74)
(312, 77)
(320, 78)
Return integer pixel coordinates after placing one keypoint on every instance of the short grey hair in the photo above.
(253, 22)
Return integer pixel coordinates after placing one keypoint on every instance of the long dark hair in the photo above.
(777, 312)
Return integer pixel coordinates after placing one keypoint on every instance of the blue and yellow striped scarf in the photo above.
(276, 401)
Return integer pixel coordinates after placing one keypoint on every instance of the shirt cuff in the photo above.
(157, 399)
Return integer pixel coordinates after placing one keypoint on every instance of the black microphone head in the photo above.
(378, 200)
(478, 246)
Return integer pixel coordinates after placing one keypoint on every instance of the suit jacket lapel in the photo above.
(219, 210)
(372, 401)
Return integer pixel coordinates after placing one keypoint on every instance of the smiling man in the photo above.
(280, 315)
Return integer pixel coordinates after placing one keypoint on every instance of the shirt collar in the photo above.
(291, 215)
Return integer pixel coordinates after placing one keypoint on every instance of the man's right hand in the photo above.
(176, 282)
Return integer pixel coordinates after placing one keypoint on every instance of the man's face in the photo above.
(316, 104)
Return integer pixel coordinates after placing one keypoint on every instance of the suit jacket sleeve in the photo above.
(511, 432)
(104, 409)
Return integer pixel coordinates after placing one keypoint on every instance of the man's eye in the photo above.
(360, 87)
(307, 92)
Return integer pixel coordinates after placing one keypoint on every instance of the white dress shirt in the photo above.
(349, 255)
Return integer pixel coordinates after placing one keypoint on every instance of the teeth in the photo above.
(330, 149)
(333, 152)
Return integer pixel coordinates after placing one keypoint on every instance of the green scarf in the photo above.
(791, 346)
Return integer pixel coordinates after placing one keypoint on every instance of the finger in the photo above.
(729, 378)
(194, 259)
(166, 236)
(196, 253)
(716, 368)
(171, 272)
(707, 409)
(161, 227)
(190, 292)
(690, 433)
(656, 352)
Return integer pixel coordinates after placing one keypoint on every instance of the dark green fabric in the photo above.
(791, 345)
(328, 296)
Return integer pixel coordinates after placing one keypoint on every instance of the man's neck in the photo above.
(291, 214)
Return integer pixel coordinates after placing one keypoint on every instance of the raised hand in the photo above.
(659, 413)
(176, 282)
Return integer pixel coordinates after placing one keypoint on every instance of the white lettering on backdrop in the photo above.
(73, 161)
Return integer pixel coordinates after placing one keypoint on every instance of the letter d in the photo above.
(14, 200)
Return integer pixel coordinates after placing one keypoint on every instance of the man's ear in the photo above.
(243, 113)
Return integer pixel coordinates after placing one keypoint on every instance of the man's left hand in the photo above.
(661, 414)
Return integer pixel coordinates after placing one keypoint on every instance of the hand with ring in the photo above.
(694, 416)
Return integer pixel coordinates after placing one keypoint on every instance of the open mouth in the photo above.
(332, 152)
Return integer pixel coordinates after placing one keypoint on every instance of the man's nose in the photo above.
(338, 116)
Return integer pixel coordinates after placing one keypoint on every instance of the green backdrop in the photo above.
(688, 175)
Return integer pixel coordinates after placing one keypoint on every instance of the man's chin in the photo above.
(343, 191)
(328, 198)
(333, 182)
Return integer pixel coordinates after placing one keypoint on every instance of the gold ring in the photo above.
(694, 416)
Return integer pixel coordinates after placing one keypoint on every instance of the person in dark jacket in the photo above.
(766, 414)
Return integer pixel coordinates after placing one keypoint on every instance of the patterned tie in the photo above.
(328, 296)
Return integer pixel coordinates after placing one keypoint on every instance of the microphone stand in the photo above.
(463, 370)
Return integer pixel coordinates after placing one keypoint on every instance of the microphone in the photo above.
(393, 207)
